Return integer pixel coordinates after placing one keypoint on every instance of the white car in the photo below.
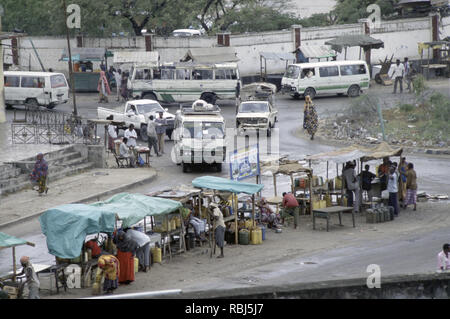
(257, 112)
(137, 112)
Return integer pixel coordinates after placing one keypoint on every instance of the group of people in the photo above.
(400, 72)
(156, 131)
(119, 268)
(399, 180)
(105, 80)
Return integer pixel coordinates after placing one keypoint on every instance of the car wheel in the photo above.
(185, 167)
(353, 91)
(32, 104)
(311, 92)
(149, 96)
(209, 98)
(143, 133)
(296, 96)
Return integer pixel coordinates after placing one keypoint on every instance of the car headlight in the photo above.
(293, 89)
(263, 121)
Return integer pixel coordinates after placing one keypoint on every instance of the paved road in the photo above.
(434, 174)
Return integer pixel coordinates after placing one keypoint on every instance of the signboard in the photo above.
(244, 163)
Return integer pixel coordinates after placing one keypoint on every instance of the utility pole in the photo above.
(2, 91)
(72, 82)
(380, 114)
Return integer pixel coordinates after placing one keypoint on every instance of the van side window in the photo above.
(308, 73)
(167, 74)
(221, 74)
(12, 81)
(32, 82)
(328, 71)
(143, 74)
(201, 74)
(58, 81)
(182, 74)
(353, 69)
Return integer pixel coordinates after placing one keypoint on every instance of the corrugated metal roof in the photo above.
(211, 55)
(138, 57)
(355, 40)
(277, 56)
(316, 51)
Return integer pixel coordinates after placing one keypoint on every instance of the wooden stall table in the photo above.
(328, 211)
(144, 151)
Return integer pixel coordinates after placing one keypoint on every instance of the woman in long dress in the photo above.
(108, 267)
(103, 87)
(310, 120)
(39, 174)
(126, 250)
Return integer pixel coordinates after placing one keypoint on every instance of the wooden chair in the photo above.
(120, 160)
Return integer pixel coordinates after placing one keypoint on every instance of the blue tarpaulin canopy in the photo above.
(228, 185)
(7, 241)
(67, 226)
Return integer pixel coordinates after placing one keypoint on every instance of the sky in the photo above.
(306, 8)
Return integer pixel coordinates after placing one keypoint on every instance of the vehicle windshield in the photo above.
(203, 130)
(253, 107)
(150, 107)
(292, 72)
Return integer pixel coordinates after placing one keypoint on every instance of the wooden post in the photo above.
(2, 96)
(311, 194)
(14, 263)
(253, 210)
(236, 240)
(342, 186)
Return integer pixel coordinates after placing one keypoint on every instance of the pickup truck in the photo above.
(256, 110)
(137, 112)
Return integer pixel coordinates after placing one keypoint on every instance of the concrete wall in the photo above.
(413, 286)
(400, 38)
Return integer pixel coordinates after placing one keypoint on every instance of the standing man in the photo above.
(397, 74)
(352, 186)
(443, 260)
(161, 124)
(152, 136)
(366, 179)
(219, 227)
(290, 208)
(32, 280)
(392, 188)
(131, 136)
(112, 134)
(402, 170)
(411, 187)
(407, 74)
(118, 79)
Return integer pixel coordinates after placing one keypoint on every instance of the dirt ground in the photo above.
(195, 270)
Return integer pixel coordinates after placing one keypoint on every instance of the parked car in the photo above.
(186, 33)
(137, 112)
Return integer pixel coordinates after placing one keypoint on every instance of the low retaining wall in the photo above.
(413, 286)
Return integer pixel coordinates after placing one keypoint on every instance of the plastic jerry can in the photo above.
(156, 255)
(243, 237)
(136, 265)
(263, 232)
(256, 236)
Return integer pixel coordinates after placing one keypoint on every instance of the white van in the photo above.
(186, 33)
(334, 77)
(35, 89)
(185, 82)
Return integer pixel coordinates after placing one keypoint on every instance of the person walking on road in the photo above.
(39, 174)
(398, 73)
(161, 124)
(407, 74)
(152, 136)
(219, 227)
(411, 187)
(103, 87)
(32, 280)
(310, 120)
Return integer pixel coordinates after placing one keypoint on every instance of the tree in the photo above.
(350, 11)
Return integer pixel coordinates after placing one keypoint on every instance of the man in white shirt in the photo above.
(219, 227)
(112, 134)
(131, 136)
(392, 188)
(407, 74)
(443, 258)
(398, 72)
(124, 151)
(352, 186)
(152, 137)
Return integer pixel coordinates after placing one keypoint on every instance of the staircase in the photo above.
(65, 162)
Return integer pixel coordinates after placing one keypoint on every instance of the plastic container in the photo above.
(136, 265)
(263, 232)
(244, 235)
(256, 236)
(156, 255)
(248, 223)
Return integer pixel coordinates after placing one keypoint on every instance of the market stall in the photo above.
(214, 184)
(67, 226)
(441, 64)
(84, 74)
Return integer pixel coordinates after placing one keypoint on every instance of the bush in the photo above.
(406, 108)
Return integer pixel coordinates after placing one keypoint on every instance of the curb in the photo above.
(84, 200)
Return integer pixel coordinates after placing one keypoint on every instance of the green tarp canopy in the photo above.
(227, 185)
(7, 241)
(355, 40)
(67, 226)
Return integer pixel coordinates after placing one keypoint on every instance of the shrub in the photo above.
(406, 108)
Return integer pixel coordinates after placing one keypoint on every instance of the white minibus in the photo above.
(35, 89)
(321, 78)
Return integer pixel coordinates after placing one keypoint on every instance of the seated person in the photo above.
(124, 151)
(268, 215)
